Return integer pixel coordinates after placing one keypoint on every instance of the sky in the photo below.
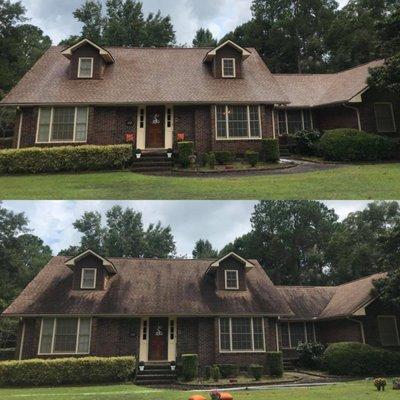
(218, 221)
(55, 18)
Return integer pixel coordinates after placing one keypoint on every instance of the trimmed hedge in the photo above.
(190, 366)
(185, 150)
(224, 157)
(348, 358)
(270, 150)
(229, 370)
(354, 145)
(64, 159)
(275, 363)
(7, 354)
(66, 371)
(256, 371)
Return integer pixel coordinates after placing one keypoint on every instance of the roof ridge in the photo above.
(362, 278)
(305, 286)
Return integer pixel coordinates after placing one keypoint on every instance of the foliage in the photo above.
(252, 157)
(310, 354)
(66, 371)
(60, 159)
(215, 373)
(305, 142)
(275, 363)
(359, 359)
(8, 330)
(270, 150)
(388, 289)
(185, 150)
(7, 354)
(229, 370)
(354, 145)
(380, 384)
(386, 77)
(203, 249)
(122, 236)
(207, 371)
(190, 366)
(211, 160)
(224, 157)
(204, 38)
(389, 33)
(256, 371)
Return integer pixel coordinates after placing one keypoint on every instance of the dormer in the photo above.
(87, 60)
(90, 271)
(227, 60)
(230, 272)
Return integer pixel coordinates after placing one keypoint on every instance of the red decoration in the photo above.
(180, 137)
(130, 137)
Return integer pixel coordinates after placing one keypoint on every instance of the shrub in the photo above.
(310, 354)
(64, 159)
(185, 150)
(275, 363)
(350, 358)
(229, 370)
(256, 371)
(207, 371)
(306, 142)
(252, 157)
(353, 145)
(215, 373)
(211, 160)
(224, 157)
(270, 150)
(66, 371)
(190, 366)
(7, 354)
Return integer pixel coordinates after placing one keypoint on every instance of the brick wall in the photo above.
(339, 331)
(334, 117)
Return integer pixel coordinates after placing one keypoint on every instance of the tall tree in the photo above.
(389, 33)
(386, 77)
(203, 249)
(204, 38)
(90, 14)
(158, 31)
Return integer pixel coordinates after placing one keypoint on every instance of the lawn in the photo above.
(377, 182)
(343, 391)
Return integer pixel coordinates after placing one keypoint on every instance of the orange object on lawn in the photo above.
(197, 397)
(226, 396)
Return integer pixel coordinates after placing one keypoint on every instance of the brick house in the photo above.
(222, 99)
(225, 310)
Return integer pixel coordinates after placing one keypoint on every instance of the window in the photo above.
(85, 69)
(241, 335)
(292, 333)
(172, 329)
(88, 279)
(291, 121)
(65, 336)
(62, 125)
(294, 121)
(142, 113)
(384, 117)
(228, 68)
(231, 280)
(144, 333)
(238, 122)
(388, 330)
(169, 117)
(297, 333)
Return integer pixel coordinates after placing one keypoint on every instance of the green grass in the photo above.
(344, 391)
(377, 182)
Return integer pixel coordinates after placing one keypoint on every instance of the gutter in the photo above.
(361, 327)
(357, 112)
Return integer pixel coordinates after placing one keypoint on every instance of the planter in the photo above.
(169, 155)
(173, 367)
(138, 156)
(141, 368)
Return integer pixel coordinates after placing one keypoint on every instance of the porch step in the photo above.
(156, 374)
(289, 364)
(152, 162)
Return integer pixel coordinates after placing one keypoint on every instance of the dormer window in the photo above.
(228, 68)
(88, 280)
(231, 280)
(85, 69)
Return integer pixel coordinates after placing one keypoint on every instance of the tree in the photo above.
(204, 38)
(90, 14)
(386, 77)
(389, 33)
(388, 289)
(158, 31)
(203, 249)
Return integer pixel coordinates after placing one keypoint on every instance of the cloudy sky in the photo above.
(220, 16)
(218, 221)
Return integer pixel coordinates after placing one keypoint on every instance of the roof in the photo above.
(212, 53)
(146, 76)
(311, 90)
(105, 54)
(148, 287)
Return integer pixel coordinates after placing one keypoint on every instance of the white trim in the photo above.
(223, 67)
(21, 118)
(80, 65)
(104, 53)
(21, 345)
(273, 124)
(277, 335)
(289, 323)
(107, 264)
(392, 113)
(212, 53)
(172, 323)
(144, 343)
(141, 131)
(84, 270)
(237, 279)
(169, 118)
(394, 317)
(247, 263)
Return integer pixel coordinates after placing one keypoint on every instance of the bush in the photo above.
(310, 354)
(270, 150)
(252, 157)
(306, 142)
(7, 354)
(211, 160)
(207, 371)
(229, 370)
(190, 366)
(256, 371)
(224, 157)
(64, 159)
(275, 363)
(185, 150)
(215, 373)
(350, 358)
(353, 145)
(66, 371)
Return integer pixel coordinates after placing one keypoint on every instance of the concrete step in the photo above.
(151, 169)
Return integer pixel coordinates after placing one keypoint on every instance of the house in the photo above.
(225, 310)
(222, 99)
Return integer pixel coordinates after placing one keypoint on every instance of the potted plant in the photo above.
(380, 384)
(173, 366)
(141, 366)
(138, 153)
(169, 153)
(396, 384)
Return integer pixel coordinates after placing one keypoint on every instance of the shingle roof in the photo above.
(310, 90)
(143, 76)
(148, 287)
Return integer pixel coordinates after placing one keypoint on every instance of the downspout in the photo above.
(21, 116)
(21, 346)
(273, 122)
(277, 334)
(357, 112)
(361, 327)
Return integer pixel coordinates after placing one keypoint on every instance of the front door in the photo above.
(158, 339)
(155, 127)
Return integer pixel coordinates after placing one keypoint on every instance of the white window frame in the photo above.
(230, 335)
(91, 67)
(94, 280)
(51, 127)
(52, 352)
(234, 67)
(279, 134)
(397, 330)
(392, 113)
(248, 137)
(290, 333)
(237, 279)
